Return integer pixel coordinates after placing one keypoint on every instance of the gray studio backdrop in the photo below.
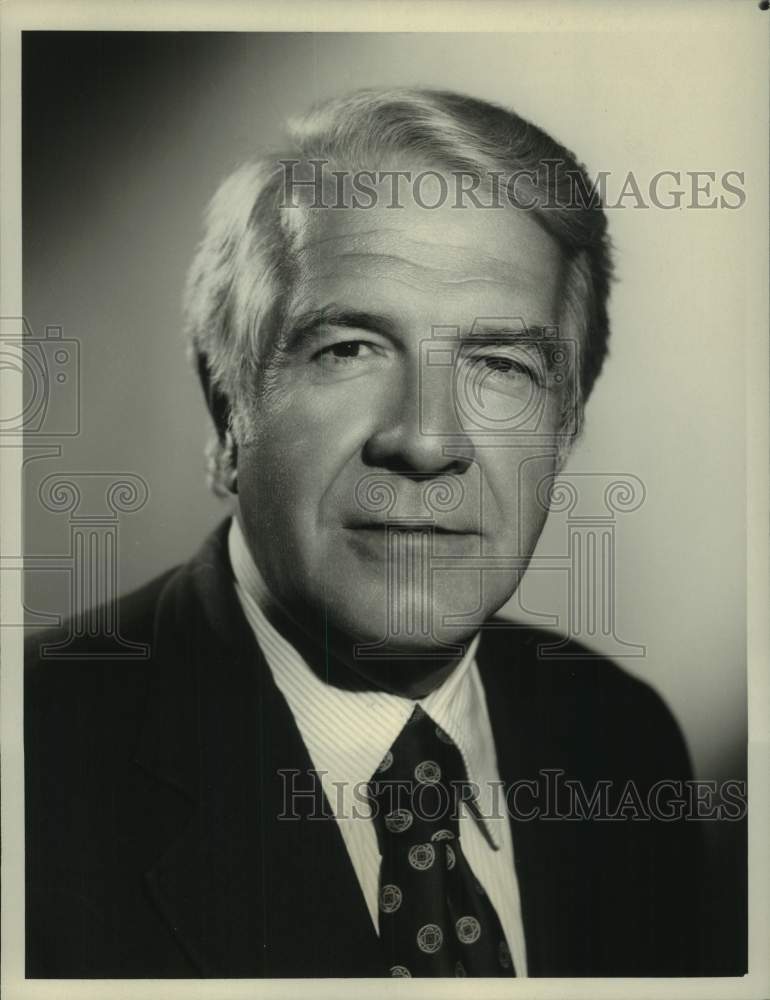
(136, 148)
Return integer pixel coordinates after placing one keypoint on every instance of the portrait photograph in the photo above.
(384, 535)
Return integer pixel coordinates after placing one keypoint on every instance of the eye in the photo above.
(505, 366)
(347, 349)
(345, 353)
(505, 371)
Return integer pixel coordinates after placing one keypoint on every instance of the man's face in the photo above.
(389, 490)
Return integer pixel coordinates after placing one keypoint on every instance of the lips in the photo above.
(373, 542)
(409, 527)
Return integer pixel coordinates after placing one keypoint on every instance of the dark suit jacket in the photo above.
(152, 797)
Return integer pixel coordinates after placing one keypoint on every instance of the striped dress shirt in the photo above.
(347, 734)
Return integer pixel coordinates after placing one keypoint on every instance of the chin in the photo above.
(431, 647)
(417, 622)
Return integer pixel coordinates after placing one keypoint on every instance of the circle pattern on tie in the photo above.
(427, 772)
(422, 856)
(468, 930)
(390, 898)
(399, 820)
(436, 919)
(430, 937)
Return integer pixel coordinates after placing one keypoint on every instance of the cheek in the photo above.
(518, 482)
(295, 457)
(535, 478)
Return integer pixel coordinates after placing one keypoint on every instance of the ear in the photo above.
(562, 455)
(216, 401)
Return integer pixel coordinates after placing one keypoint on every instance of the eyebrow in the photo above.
(305, 327)
(307, 324)
(487, 331)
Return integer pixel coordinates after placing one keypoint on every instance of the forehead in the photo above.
(496, 261)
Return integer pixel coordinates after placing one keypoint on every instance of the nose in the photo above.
(419, 434)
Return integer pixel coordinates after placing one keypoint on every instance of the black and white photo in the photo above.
(384, 454)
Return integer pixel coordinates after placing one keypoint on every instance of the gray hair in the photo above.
(241, 276)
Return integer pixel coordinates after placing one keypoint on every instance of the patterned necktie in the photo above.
(435, 918)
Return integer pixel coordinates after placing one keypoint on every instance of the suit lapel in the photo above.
(245, 892)
(506, 661)
(547, 717)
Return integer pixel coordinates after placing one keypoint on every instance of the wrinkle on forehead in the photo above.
(487, 255)
(391, 254)
(391, 267)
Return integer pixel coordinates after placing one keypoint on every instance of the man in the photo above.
(397, 323)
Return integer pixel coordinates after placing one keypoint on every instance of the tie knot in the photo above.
(421, 779)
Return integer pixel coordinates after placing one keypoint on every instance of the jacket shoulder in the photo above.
(133, 615)
(581, 693)
(535, 658)
(81, 680)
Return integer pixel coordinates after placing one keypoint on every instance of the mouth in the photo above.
(406, 528)
(378, 542)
